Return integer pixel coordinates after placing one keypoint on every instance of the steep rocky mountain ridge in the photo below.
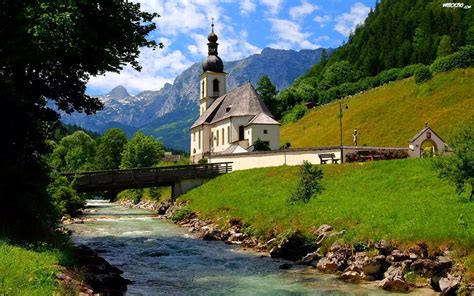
(168, 113)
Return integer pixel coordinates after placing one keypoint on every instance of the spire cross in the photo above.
(212, 24)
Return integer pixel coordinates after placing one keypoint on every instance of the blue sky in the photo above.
(244, 27)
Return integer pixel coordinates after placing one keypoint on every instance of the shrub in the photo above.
(461, 59)
(309, 185)
(180, 214)
(409, 71)
(388, 75)
(260, 145)
(66, 200)
(294, 114)
(423, 74)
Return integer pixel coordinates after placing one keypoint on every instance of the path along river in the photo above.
(164, 259)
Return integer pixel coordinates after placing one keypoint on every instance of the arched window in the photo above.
(202, 89)
(215, 87)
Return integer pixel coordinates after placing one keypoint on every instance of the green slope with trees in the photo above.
(390, 115)
(396, 34)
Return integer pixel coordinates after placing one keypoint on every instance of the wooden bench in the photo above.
(324, 157)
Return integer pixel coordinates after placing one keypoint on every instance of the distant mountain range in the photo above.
(168, 113)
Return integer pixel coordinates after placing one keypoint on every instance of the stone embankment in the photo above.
(394, 269)
(92, 275)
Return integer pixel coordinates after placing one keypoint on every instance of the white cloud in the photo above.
(274, 6)
(233, 47)
(322, 20)
(183, 16)
(347, 22)
(302, 10)
(247, 7)
(159, 67)
(289, 35)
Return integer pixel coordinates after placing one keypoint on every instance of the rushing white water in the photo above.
(161, 258)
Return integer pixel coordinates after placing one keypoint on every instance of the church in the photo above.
(229, 122)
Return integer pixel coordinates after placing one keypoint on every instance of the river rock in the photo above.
(352, 276)
(311, 259)
(98, 273)
(394, 280)
(397, 284)
(384, 247)
(428, 267)
(397, 256)
(375, 266)
(163, 208)
(335, 259)
(293, 247)
(449, 285)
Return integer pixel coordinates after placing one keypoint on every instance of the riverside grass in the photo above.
(29, 272)
(399, 200)
(390, 115)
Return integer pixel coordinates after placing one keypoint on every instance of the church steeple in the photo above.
(213, 62)
(213, 78)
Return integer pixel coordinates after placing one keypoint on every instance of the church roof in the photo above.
(241, 101)
(422, 132)
(263, 118)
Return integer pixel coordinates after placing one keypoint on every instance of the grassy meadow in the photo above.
(392, 114)
(400, 200)
(25, 271)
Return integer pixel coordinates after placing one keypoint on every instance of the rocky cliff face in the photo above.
(168, 113)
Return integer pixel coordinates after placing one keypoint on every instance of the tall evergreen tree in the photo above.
(267, 92)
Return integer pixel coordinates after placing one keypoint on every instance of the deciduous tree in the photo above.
(48, 52)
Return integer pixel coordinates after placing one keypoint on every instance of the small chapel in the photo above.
(229, 122)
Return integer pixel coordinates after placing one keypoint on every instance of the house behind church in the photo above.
(228, 122)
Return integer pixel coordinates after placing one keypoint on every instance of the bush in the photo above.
(388, 75)
(294, 114)
(385, 155)
(409, 71)
(423, 74)
(180, 214)
(309, 185)
(66, 200)
(461, 59)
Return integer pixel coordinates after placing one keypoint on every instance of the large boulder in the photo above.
(384, 247)
(394, 280)
(336, 259)
(375, 266)
(293, 247)
(311, 258)
(449, 285)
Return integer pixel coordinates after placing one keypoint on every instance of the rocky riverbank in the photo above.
(394, 269)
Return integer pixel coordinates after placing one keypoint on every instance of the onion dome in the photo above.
(213, 62)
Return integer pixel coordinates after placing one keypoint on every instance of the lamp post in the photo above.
(340, 128)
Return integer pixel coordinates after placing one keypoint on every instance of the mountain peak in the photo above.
(119, 92)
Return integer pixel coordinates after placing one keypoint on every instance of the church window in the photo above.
(212, 139)
(265, 132)
(202, 89)
(217, 138)
(241, 133)
(199, 140)
(215, 87)
(228, 134)
(223, 136)
(194, 137)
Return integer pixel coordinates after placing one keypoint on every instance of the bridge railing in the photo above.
(147, 176)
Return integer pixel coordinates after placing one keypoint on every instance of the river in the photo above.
(161, 258)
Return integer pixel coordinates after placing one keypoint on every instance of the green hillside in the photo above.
(392, 114)
(400, 200)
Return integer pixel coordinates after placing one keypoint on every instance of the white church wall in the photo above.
(272, 134)
(245, 161)
(222, 131)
